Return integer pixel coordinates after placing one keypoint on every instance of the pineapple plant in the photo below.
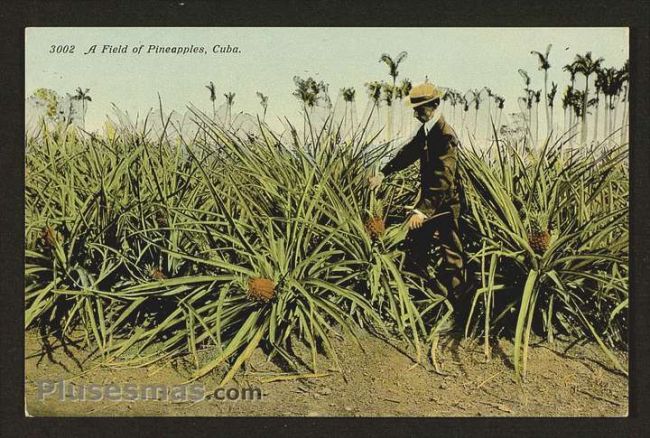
(261, 289)
(375, 225)
(539, 235)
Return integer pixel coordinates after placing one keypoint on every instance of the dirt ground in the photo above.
(563, 380)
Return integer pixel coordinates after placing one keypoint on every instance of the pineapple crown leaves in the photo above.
(538, 221)
(376, 208)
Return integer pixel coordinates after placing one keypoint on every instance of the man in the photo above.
(434, 220)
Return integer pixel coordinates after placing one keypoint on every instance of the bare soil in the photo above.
(563, 379)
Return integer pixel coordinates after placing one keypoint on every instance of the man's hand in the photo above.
(375, 181)
(416, 220)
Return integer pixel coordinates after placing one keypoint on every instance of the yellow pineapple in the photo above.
(375, 225)
(261, 289)
(539, 236)
(154, 272)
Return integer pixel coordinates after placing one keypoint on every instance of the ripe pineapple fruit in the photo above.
(539, 236)
(375, 225)
(261, 289)
(154, 272)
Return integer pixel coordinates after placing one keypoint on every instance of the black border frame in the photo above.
(337, 13)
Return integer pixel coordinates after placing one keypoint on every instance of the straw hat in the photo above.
(423, 93)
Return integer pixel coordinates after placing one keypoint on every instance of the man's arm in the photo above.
(405, 157)
(443, 177)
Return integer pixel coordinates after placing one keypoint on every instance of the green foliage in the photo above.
(158, 244)
(577, 286)
(50, 98)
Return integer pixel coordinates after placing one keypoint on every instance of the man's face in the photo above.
(424, 113)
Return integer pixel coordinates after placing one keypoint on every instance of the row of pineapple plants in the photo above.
(147, 247)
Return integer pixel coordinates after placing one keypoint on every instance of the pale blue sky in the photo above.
(461, 58)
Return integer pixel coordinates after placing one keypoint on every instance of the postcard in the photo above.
(326, 222)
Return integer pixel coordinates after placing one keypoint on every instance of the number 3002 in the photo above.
(62, 49)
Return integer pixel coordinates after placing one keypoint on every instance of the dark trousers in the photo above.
(439, 236)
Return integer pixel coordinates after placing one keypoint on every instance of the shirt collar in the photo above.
(428, 125)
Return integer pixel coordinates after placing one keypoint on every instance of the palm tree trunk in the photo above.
(585, 99)
(530, 120)
(606, 124)
(499, 119)
(623, 121)
(570, 124)
(389, 122)
(615, 118)
(536, 124)
(595, 139)
(548, 127)
(489, 120)
(304, 123)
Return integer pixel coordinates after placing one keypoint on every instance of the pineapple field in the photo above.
(221, 251)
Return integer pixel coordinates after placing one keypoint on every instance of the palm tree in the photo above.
(213, 98)
(544, 65)
(572, 70)
(607, 81)
(83, 96)
(374, 92)
(465, 103)
(230, 101)
(625, 79)
(567, 98)
(324, 89)
(537, 95)
(450, 95)
(446, 97)
(393, 65)
(490, 96)
(403, 90)
(500, 101)
(587, 66)
(264, 101)
(348, 98)
(528, 98)
(550, 99)
(599, 83)
(388, 92)
(620, 81)
(476, 100)
(577, 103)
(308, 92)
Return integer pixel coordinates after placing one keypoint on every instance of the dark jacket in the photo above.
(440, 186)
